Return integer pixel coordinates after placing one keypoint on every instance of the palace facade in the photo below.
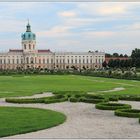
(30, 57)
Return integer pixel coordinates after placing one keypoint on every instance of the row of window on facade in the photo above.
(44, 61)
(30, 47)
(80, 56)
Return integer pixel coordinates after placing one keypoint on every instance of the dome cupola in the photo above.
(28, 35)
(28, 40)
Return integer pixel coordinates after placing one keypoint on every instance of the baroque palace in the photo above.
(30, 57)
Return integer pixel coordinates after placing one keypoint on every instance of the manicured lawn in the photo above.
(15, 120)
(29, 85)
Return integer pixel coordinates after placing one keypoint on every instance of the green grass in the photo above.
(17, 120)
(29, 85)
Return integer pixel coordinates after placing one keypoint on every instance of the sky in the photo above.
(72, 26)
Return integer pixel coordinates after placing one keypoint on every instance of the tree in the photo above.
(136, 58)
(115, 55)
(121, 55)
(104, 64)
(111, 63)
(125, 55)
(108, 55)
(135, 53)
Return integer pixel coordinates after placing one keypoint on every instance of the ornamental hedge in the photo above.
(131, 113)
(55, 99)
(129, 97)
(25, 100)
(73, 99)
(88, 98)
(52, 99)
(112, 106)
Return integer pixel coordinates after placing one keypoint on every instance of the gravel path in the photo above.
(84, 121)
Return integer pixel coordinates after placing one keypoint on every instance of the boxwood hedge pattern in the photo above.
(112, 106)
(66, 96)
(131, 113)
(89, 98)
(129, 97)
(23, 100)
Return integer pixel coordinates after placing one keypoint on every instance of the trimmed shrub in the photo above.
(73, 99)
(131, 113)
(27, 100)
(112, 106)
(52, 99)
(92, 100)
(113, 98)
(130, 97)
(55, 99)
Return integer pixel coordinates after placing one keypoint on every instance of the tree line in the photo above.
(132, 61)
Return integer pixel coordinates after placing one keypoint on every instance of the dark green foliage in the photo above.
(129, 97)
(52, 99)
(113, 98)
(112, 106)
(136, 57)
(73, 99)
(27, 100)
(131, 113)
(55, 99)
(87, 98)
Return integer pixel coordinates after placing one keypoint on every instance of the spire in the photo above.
(28, 27)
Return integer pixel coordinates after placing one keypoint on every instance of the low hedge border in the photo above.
(92, 99)
(52, 99)
(27, 100)
(130, 113)
(112, 106)
(73, 99)
(55, 99)
(129, 97)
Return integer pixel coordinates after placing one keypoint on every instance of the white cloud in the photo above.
(67, 14)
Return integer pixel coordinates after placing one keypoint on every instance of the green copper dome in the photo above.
(28, 35)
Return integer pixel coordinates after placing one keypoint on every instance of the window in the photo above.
(32, 60)
(48, 61)
(72, 61)
(90, 60)
(24, 46)
(29, 46)
(39, 61)
(21, 61)
(83, 61)
(43, 61)
(51, 60)
(27, 60)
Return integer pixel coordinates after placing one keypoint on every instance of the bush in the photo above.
(131, 113)
(55, 99)
(112, 106)
(130, 97)
(89, 98)
(113, 98)
(52, 99)
(27, 100)
(73, 99)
